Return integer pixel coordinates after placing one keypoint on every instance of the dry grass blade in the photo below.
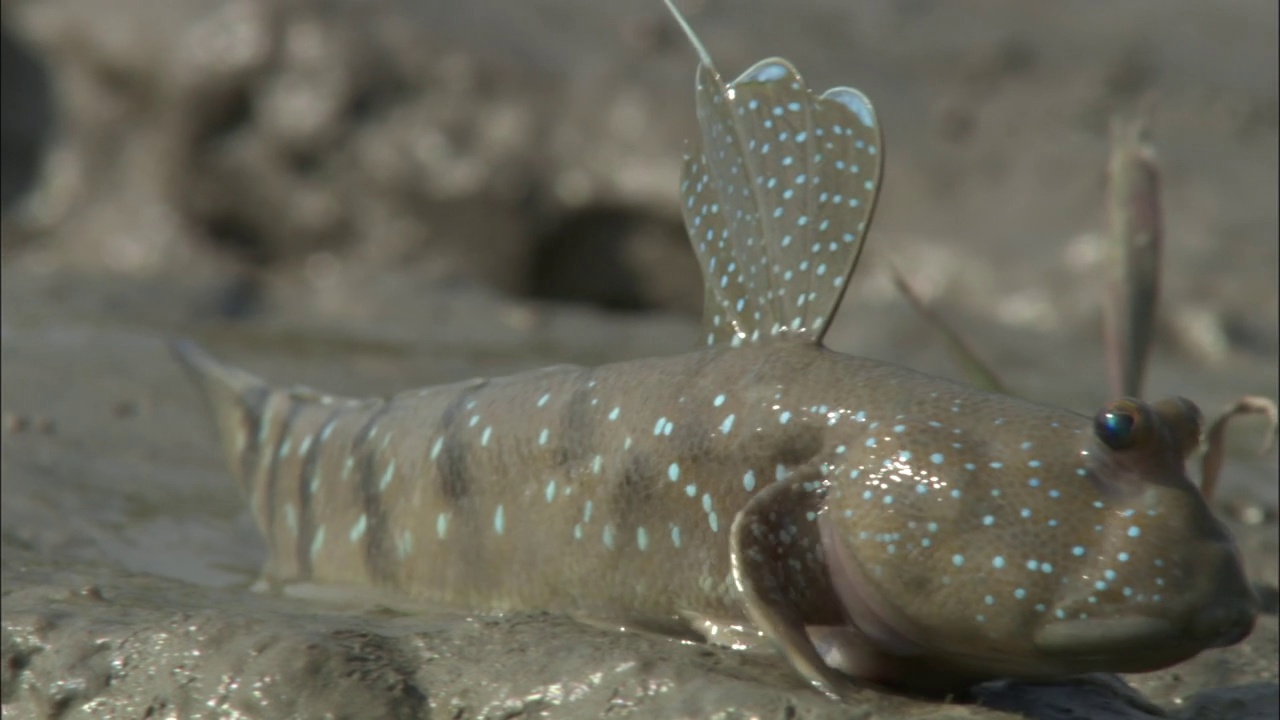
(1133, 254)
(1215, 437)
(977, 371)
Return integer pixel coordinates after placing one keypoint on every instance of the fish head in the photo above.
(1045, 546)
(1164, 579)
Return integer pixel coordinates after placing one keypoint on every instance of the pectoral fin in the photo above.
(773, 544)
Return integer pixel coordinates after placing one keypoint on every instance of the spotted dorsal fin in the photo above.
(777, 197)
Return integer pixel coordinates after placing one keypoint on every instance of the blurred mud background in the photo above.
(367, 196)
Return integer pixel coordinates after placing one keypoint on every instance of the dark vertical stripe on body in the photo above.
(633, 489)
(252, 402)
(375, 517)
(306, 521)
(578, 431)
(272, 479)
(451, 465)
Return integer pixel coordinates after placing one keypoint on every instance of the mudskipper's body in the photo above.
(870, 520)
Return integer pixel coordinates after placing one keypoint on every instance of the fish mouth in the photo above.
(1099, 638)
(1139, 643)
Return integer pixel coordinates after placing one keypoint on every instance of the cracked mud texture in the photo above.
(371, 196)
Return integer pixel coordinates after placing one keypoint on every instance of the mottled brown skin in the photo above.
(552, 554)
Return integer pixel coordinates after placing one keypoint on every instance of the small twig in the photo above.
(1215, 438)
(1134, 242)
(978, 371)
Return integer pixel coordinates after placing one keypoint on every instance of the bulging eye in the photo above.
(1120, 425)
(1183, 419)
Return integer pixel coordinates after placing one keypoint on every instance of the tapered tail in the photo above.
(237, 400)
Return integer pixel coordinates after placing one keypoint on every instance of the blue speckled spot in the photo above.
(387, 475)
(499, 522)
(957, 560)
(1034, 464)
(749, 481)
(988, 520)
(551, 491)
(997, 562)
(542, 401)
(673, 472)
(1123, 557)
(785, 417)
(871, 442)
(658, 426)
(936, 458)
(1033, 565)
(615, 412)
(691, 490)
(1020, 593)
(317, 542)
(970, 467)
(899, 428)
(1078, 551)
(714, 521)
(484, 436)
(675, 535)
(904, 456)
(442, 525)
(542, 436)
(1134, 531)
(607, 536)
(642, 539)
(435, 449)
(719, 400)
(888, 500)
(706, 502)
(727, 425)
(357, 530)
(997, 465)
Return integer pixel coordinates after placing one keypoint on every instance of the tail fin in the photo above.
(237, 400)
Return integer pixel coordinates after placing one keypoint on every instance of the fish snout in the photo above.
(1225, 624)
(1229, 611)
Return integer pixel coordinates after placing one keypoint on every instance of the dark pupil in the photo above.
(1116, 429)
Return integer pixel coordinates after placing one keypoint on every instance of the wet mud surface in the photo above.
(366, 197)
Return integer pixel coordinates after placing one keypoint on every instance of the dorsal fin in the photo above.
(777, 198)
